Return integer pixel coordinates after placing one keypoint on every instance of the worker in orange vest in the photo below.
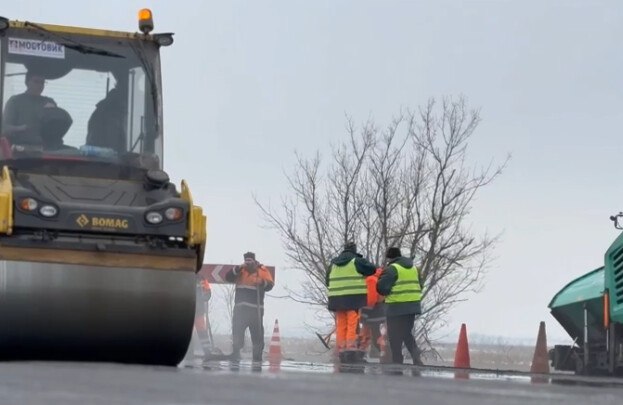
(203, 294)
(252, 281)
(372, 315)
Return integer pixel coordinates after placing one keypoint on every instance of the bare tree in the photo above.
(227, 298)
(408, 185)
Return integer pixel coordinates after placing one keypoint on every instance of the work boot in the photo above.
(417, 359)
(348, 363)
(346, 356)
(359, 356)
(234, 361)
(342, 357)
(235, 355)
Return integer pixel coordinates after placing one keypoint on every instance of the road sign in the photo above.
(215, 273)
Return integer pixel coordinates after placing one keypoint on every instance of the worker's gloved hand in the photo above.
(236, 270)
(260, 283)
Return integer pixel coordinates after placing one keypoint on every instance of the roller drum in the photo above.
(78, 313)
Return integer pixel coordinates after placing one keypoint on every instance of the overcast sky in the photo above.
(248, 83)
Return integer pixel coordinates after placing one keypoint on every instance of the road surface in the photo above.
(107, 384)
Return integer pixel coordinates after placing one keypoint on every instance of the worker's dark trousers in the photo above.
(247, 317)
(375, 329)
(399, 331)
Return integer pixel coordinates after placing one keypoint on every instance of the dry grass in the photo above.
(490, 356)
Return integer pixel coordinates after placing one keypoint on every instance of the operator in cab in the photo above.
(22, 112)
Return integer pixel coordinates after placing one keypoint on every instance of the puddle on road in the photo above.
(377, 369)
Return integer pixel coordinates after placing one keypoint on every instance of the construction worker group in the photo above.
(362, 296)
(359, 291)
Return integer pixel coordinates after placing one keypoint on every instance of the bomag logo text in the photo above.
(102, 222)
(115, 223)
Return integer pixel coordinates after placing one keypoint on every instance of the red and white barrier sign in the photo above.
(215, 273)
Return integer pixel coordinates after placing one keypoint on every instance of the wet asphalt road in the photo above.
(71, 383)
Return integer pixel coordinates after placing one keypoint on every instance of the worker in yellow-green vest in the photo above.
(347, 295)
(400, 284)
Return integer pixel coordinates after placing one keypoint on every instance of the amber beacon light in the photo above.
(145, 21)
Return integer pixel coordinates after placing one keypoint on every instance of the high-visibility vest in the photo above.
(345, 280)
(407, 287)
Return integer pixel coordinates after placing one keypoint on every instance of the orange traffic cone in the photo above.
(540, 360)
(461, 356)
(274, 349)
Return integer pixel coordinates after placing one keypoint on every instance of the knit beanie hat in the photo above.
(350, 247)
(393, 252)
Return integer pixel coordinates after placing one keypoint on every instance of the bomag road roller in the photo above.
(590, 309)
(98, 249)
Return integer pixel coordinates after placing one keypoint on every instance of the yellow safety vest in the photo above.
(345, 280)
(407, 287)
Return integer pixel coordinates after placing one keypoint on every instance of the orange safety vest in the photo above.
(373, 296)
(248, 289)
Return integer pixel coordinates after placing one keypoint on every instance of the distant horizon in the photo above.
(476, 339)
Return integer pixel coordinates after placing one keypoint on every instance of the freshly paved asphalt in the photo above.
(87, 383)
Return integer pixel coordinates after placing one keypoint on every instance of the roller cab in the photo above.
(81, 152)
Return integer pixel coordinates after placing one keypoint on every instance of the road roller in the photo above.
(98, 248)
